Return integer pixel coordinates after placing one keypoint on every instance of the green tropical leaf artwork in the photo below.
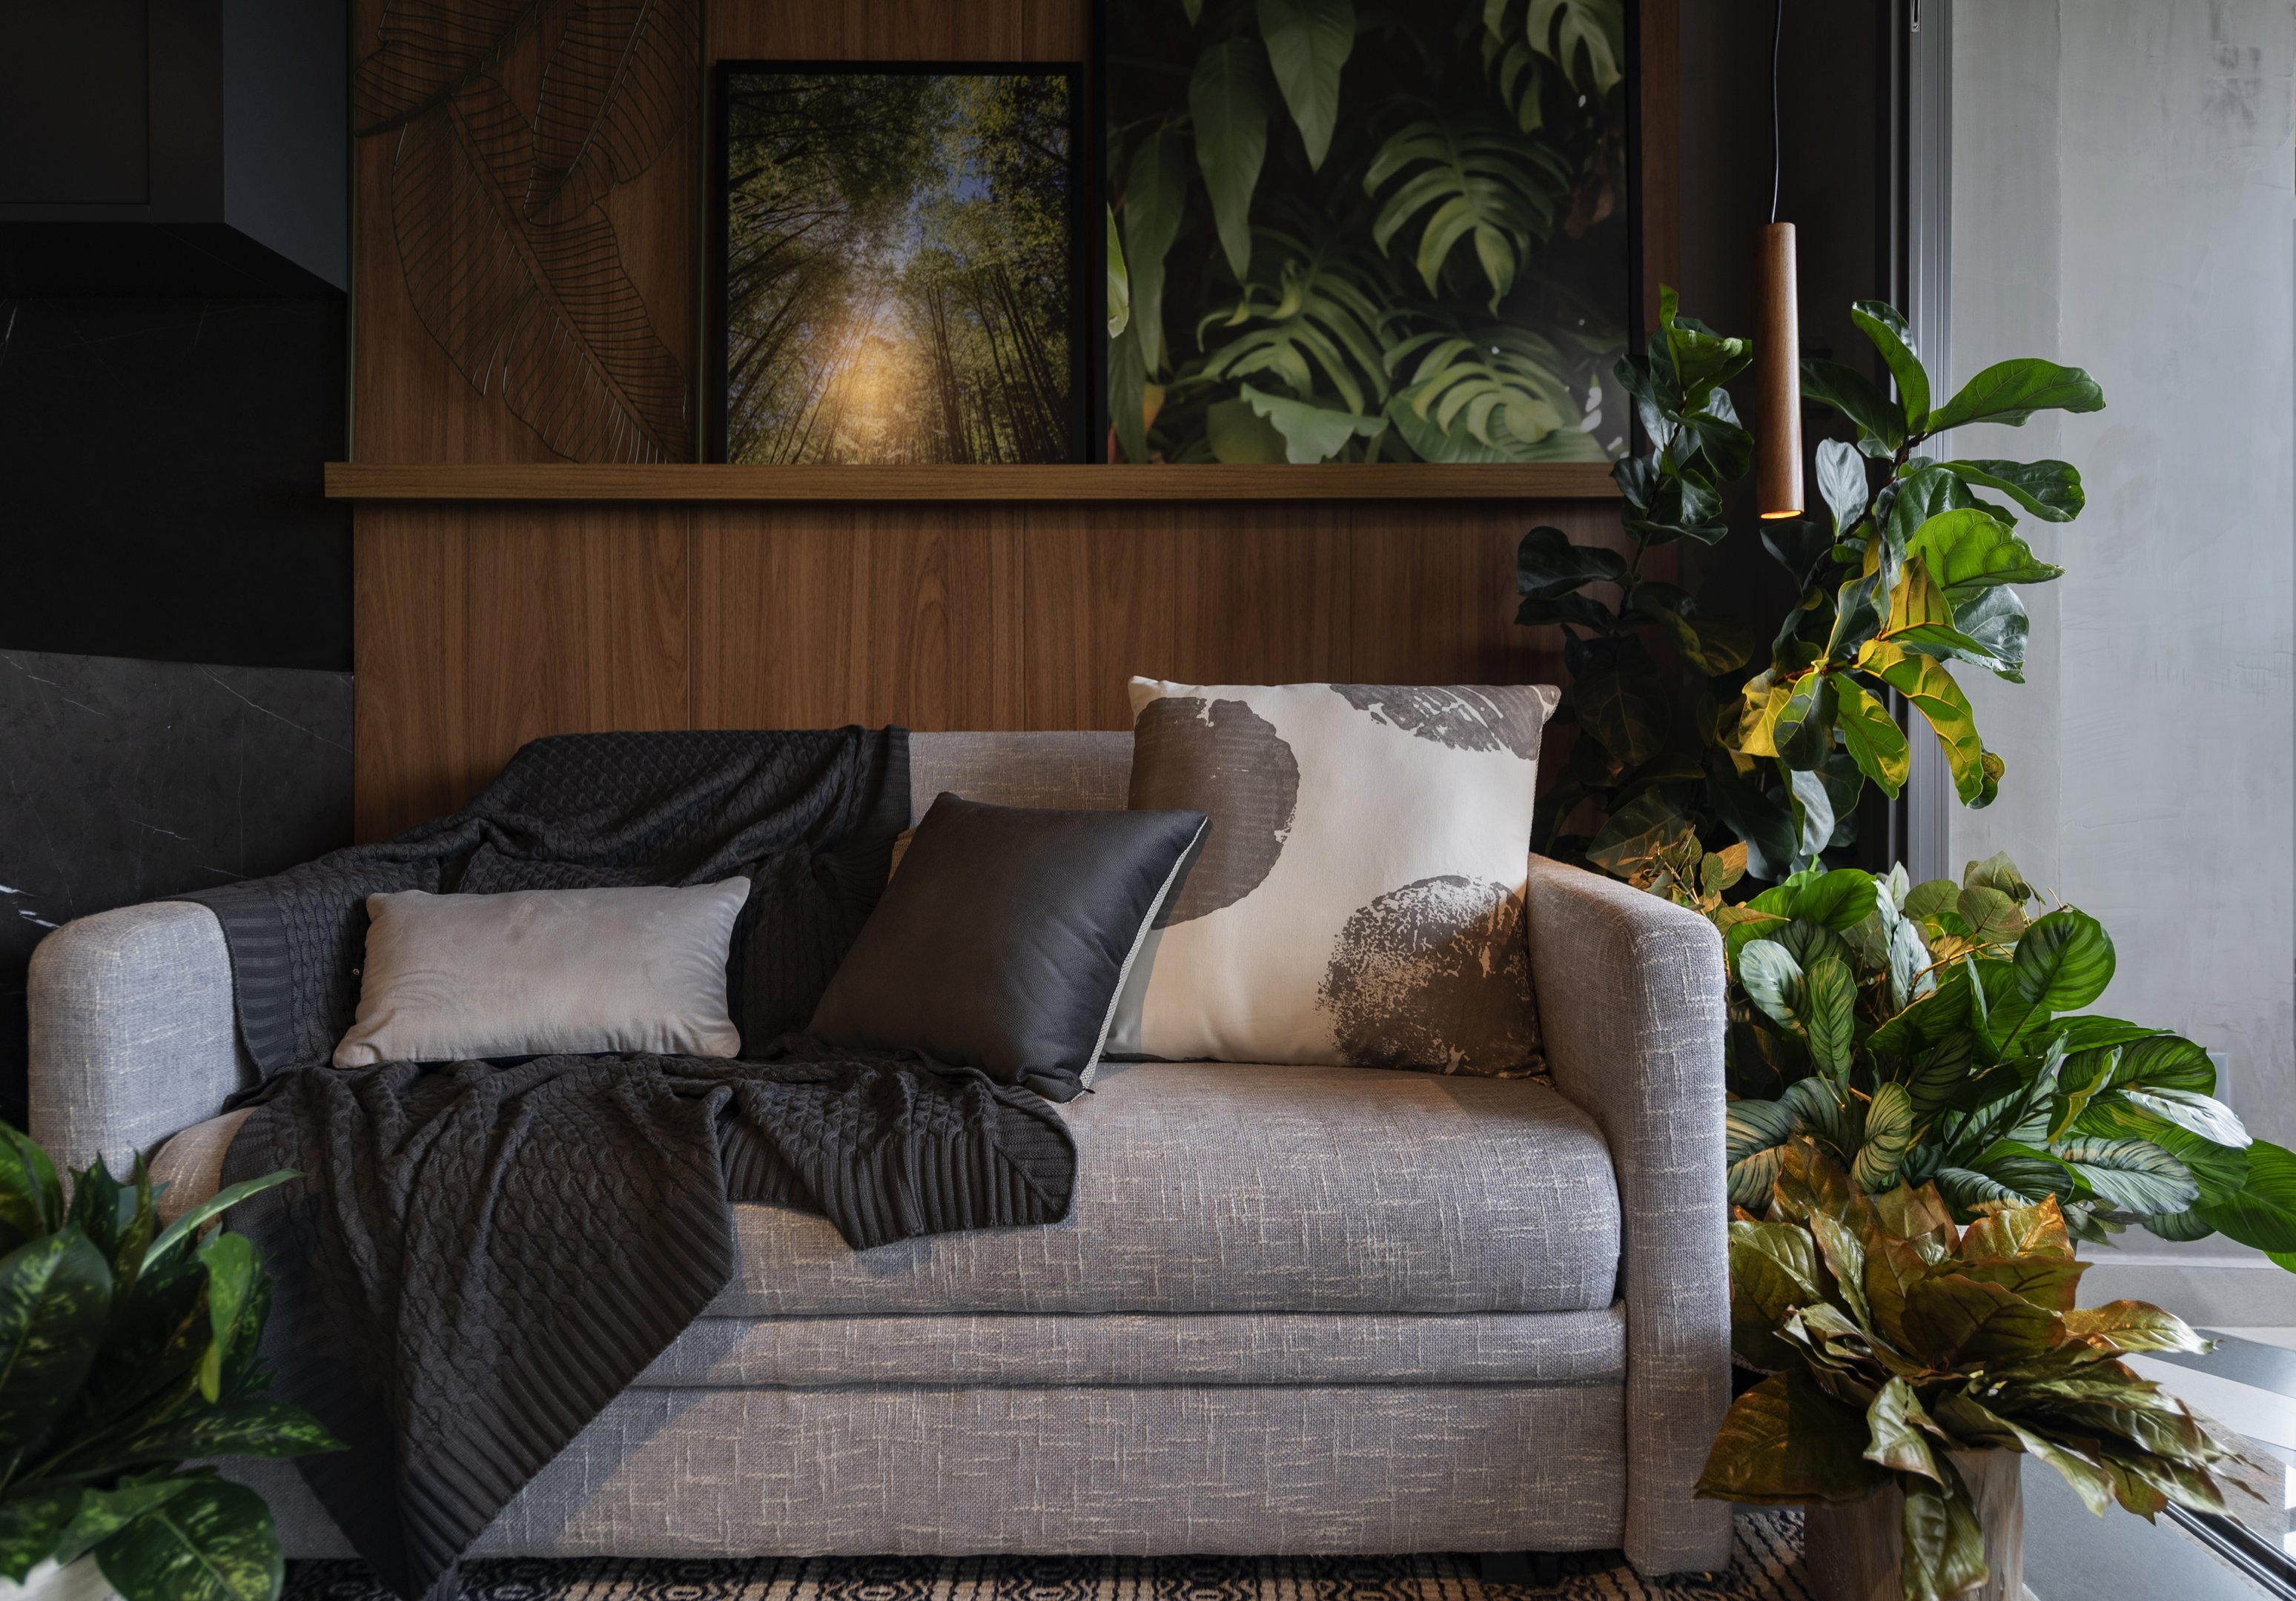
(1348, 238)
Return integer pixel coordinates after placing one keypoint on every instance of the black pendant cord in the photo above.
(1777, 157)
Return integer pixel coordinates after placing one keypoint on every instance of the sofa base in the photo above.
(1165, 1470)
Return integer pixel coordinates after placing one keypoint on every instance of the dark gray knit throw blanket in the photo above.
(481, 1255)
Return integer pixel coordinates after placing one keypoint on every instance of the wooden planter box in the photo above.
(1851, 1553)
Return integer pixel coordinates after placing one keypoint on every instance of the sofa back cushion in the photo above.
(1358, 900)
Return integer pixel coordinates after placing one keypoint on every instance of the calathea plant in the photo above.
(1894, 1338)
(1932, 1034)
(1909, 574)
(127, 1350)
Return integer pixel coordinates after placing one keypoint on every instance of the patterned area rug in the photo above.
(1766, 1567)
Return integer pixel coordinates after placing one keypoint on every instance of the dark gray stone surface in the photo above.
(127, 780)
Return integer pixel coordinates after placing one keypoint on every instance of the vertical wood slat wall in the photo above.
(480, 626)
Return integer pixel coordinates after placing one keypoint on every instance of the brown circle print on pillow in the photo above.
(1464, 719)
(1433, 975)
(1223, 753)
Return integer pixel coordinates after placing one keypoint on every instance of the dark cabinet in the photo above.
(166, 147)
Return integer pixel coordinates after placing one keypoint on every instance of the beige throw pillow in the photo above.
(1359, 896)
(529, 972)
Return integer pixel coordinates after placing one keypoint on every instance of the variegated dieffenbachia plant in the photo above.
(1894, 1338)
(1933, 1033)
(127, 1358)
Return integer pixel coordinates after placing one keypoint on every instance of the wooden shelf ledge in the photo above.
(1416, 480)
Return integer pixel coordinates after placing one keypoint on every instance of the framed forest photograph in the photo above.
(897, 264)
(1366, 230)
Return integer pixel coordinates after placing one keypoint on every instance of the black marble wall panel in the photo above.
(129, 780)
(161, 480)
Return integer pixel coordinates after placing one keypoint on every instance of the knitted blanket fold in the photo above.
(480, 1255)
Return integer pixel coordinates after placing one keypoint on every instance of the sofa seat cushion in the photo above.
(1206, 1187)
(1004, 1349)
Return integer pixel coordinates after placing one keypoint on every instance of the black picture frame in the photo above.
(1085, 251)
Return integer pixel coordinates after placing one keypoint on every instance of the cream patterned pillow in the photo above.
(1359, 895)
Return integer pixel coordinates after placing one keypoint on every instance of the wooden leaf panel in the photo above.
(427, 50)
(618, 87)
(545, 316)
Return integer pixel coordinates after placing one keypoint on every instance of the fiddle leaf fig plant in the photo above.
(1894, 1337)
(128, 1353)
(1908, 574)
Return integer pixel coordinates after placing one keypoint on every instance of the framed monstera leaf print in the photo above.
(1356, 231)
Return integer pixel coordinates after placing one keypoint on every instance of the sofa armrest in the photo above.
(133, 1035)
(1632, 1006)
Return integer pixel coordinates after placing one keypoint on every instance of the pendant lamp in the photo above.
(1778, 357)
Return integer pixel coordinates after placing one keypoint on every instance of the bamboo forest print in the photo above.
(899, 263)
(1352, 230)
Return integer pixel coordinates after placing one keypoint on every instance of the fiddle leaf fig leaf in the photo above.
(1859, 606)
(1625, 709)
(2049, 490)
(1547, 564)
(1931, 691)
(1881, 420)
(1968, 549)
(1582, 610)
(1879, 323)
(1988, 630)
(1803, 732)
(1871, 736)
(1797, 544)
(1923, 494)
(1711, 644)
(2010, 392)
(1841, 483)
(1813, 814)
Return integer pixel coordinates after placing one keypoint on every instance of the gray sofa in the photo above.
(1297, 1310)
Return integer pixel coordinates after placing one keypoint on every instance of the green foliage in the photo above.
(1904, 573)
(127, 1351)
(1932, 1032)
(1895, 1338)
(1357, 233)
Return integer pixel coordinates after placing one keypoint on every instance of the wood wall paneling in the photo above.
(480, 626)
(810, 617)
(484, 627)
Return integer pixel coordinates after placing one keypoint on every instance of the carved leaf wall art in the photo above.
(510, 260)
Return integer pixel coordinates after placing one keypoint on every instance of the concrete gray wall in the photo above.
(2122, 202)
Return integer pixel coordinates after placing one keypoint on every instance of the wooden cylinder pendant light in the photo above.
(1777, 370)
(1778, 357)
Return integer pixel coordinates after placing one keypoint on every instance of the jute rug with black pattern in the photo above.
(1767, 1566)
